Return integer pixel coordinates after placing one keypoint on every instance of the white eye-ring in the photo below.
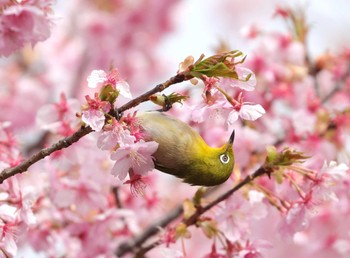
(224, 158)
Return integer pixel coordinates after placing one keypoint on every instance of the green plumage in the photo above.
(183, 153)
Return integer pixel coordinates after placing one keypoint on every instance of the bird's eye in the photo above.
(224, 158)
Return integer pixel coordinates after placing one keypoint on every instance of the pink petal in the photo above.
(149, 147)
(20, 25)
(121, 168)
(121, 153)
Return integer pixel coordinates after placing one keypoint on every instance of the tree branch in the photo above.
(160, 87)
(136, 244)
(337, 87)
(259, 172)
(63, 143)
(66, 142)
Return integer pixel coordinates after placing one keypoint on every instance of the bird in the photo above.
(183, 153)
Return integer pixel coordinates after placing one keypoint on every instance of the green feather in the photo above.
(183, 153)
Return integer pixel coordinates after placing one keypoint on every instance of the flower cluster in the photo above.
(60, 117)
(16, 199)
(222, 75)
(23, 22)
(123, 137)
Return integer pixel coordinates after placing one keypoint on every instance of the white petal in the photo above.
(171, 253)
(232, 117)
(241, 83)
(251, 112)
(255, 196)
(124, 89)
(94, 118)
(96, 78)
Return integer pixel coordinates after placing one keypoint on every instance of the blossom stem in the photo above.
(229, 99)
(304, 172)
(222, 242)
(297, 188)
(183, 247)
(271, 197)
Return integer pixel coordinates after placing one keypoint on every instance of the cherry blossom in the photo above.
(334, 171)
(114, 135)
(294, 221)
(327, 178)
(136, 157)
(21, 24)
(237, 214)
(8, 237)
(253, 250)
(246, 81)
(99, 78)
(84, 194)
(94, 113)
(59, 117)
(211, 109)
(245, 110)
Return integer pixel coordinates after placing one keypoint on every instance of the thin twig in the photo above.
(337, 87)
(141, 253)
(136, 243)
(194, 218)
(160, 87)
(66, 142)
(63, 143)
(118, 202)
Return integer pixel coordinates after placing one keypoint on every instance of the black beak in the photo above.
(232, 137)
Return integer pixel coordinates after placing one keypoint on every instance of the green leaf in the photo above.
(109, 93)
(161, 99)
(209, 227)
(181, 231)
(279, 175)
(220, 65)
(286, 157)
(198, 196)
(271, 154)
(189, 208)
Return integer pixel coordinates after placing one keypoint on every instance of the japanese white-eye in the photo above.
(182, 152)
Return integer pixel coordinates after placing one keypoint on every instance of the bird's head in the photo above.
(215, 165)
